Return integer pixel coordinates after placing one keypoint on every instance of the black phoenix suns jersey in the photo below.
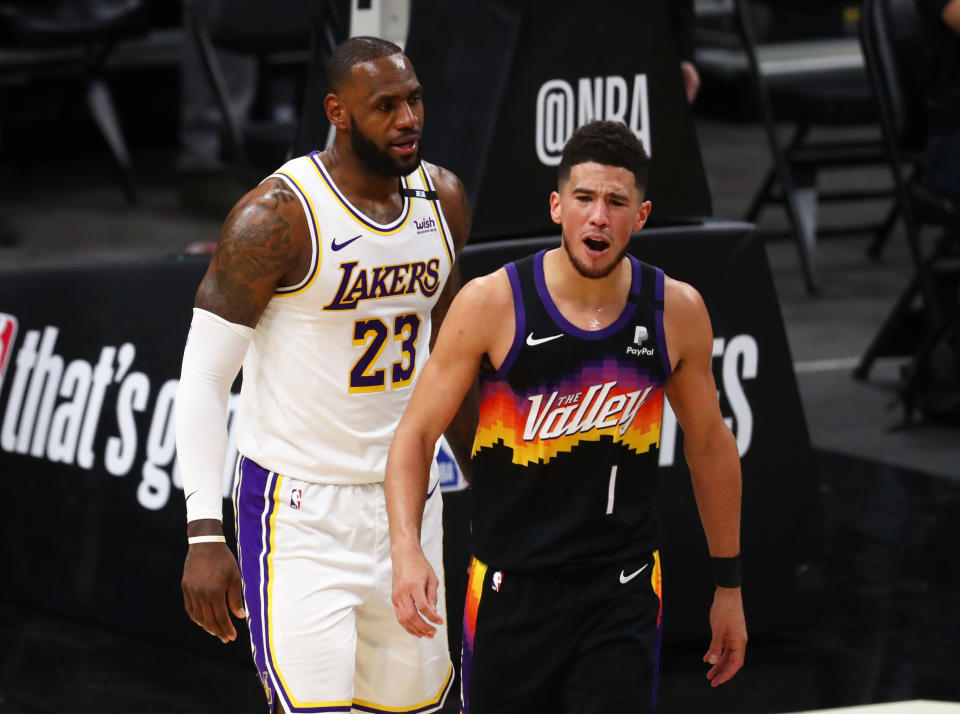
(565, 455)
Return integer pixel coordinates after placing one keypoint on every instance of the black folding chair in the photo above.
(300, 31)
(892, 38)
(828, 96)
(71, 40)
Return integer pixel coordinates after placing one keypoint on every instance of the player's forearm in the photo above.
(715, 472)
(405, 486)
(211, 360)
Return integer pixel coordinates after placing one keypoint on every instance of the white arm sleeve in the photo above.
(211, 359)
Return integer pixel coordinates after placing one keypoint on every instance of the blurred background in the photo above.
(805, 178)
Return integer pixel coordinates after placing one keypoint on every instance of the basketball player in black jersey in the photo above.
(575, 348)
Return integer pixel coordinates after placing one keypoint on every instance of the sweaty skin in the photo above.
(598, 207)
(265, 244)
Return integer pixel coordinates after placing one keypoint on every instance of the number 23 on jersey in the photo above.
(372, 334)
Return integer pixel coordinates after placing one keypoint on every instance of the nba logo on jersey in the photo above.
(8, 333)
(296, 495)
(497, 579)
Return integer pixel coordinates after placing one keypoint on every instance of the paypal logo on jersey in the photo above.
(637, 349)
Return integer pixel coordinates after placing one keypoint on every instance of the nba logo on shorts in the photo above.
(8, 333)
(296, 495)
(497, 579)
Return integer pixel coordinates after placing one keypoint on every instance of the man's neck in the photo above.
(566, 284)
(355, 179)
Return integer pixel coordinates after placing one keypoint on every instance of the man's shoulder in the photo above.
(453, 199)
(488, 292)
(444, 180)
(680, 293)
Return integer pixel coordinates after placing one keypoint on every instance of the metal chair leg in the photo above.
(804, 234)
(100, 104)
(219, 86)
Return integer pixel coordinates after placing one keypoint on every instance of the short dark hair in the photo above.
(609, 143)
(355, 51)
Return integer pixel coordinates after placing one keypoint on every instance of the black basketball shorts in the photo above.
(577, 642)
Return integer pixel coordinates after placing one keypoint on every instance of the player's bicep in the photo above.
(463, 340)
(256, 250)
(691, 389)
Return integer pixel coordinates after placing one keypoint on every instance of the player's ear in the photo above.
(337, 113)
(555, 207)
(643, 213)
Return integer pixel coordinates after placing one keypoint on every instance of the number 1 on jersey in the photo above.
(372, 334)
(611, 489)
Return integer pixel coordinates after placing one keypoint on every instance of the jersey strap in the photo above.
(419, 193)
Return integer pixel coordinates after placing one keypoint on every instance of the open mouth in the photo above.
(596, 245)
(406, 147)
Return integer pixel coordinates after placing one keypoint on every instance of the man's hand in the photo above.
(211, 582)
(415, 591)
(729, 631)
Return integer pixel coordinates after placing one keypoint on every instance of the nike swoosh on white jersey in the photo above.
(534, 341)
(344, 244)
(627, 578)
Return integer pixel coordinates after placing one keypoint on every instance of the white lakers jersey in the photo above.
(334, 358)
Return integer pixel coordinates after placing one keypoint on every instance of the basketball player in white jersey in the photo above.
(322, 286)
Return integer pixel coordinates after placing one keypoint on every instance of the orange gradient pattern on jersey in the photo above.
(505, 416)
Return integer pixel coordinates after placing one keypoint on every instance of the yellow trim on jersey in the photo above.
(273, 665)
(656, 582)
(433, 205)
(317, 243)
(433, 701)
(352, 211)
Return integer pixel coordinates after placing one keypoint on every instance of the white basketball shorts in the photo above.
(317, 582)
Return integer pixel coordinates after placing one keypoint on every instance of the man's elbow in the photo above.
(711, 445)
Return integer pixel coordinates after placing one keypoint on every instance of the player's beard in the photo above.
(376, 159)
(588, 272)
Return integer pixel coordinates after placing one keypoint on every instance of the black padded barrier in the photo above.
(94, 523)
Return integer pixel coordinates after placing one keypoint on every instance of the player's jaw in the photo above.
(593, 253)
(398, 157)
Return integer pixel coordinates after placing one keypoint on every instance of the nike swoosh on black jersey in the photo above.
(534, 341)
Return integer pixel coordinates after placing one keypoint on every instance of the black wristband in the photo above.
(726, 572)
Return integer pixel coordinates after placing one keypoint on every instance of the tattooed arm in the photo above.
(264, 244)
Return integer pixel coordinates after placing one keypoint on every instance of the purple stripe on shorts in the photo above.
(565, 324)
(251, 507)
